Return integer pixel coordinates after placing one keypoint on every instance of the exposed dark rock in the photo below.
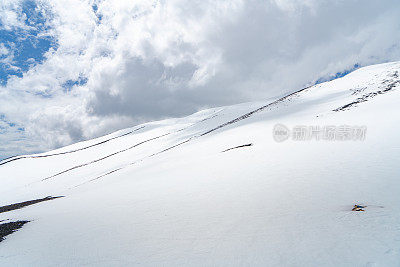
(388, 86)
(358, 208)
(9, 228)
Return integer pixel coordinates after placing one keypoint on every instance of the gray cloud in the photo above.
(148, 90)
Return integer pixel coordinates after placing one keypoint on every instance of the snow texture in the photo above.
(163, 193)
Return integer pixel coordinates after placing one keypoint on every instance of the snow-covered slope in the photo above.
(164, 194)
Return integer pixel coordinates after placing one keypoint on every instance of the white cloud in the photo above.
(3, 50)
(146, 60)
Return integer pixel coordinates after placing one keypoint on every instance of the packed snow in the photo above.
(174, 193)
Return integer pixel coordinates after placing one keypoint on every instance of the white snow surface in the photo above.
(142, 199)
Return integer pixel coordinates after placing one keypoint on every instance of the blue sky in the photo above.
(73, 73)
(26, 47)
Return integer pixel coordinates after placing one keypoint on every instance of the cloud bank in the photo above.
(112, 64)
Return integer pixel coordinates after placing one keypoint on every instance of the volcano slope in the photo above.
(165, 194)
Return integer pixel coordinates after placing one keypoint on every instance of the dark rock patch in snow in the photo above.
(358, 208)
(388, 86)
(9, 228)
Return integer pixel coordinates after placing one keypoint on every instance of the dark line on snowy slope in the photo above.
(5, 161)
(9, 228)
(246, 145)
(249, 114)
(21, 205)
(100, 176)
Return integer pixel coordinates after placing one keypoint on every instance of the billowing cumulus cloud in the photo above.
(113, 64)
